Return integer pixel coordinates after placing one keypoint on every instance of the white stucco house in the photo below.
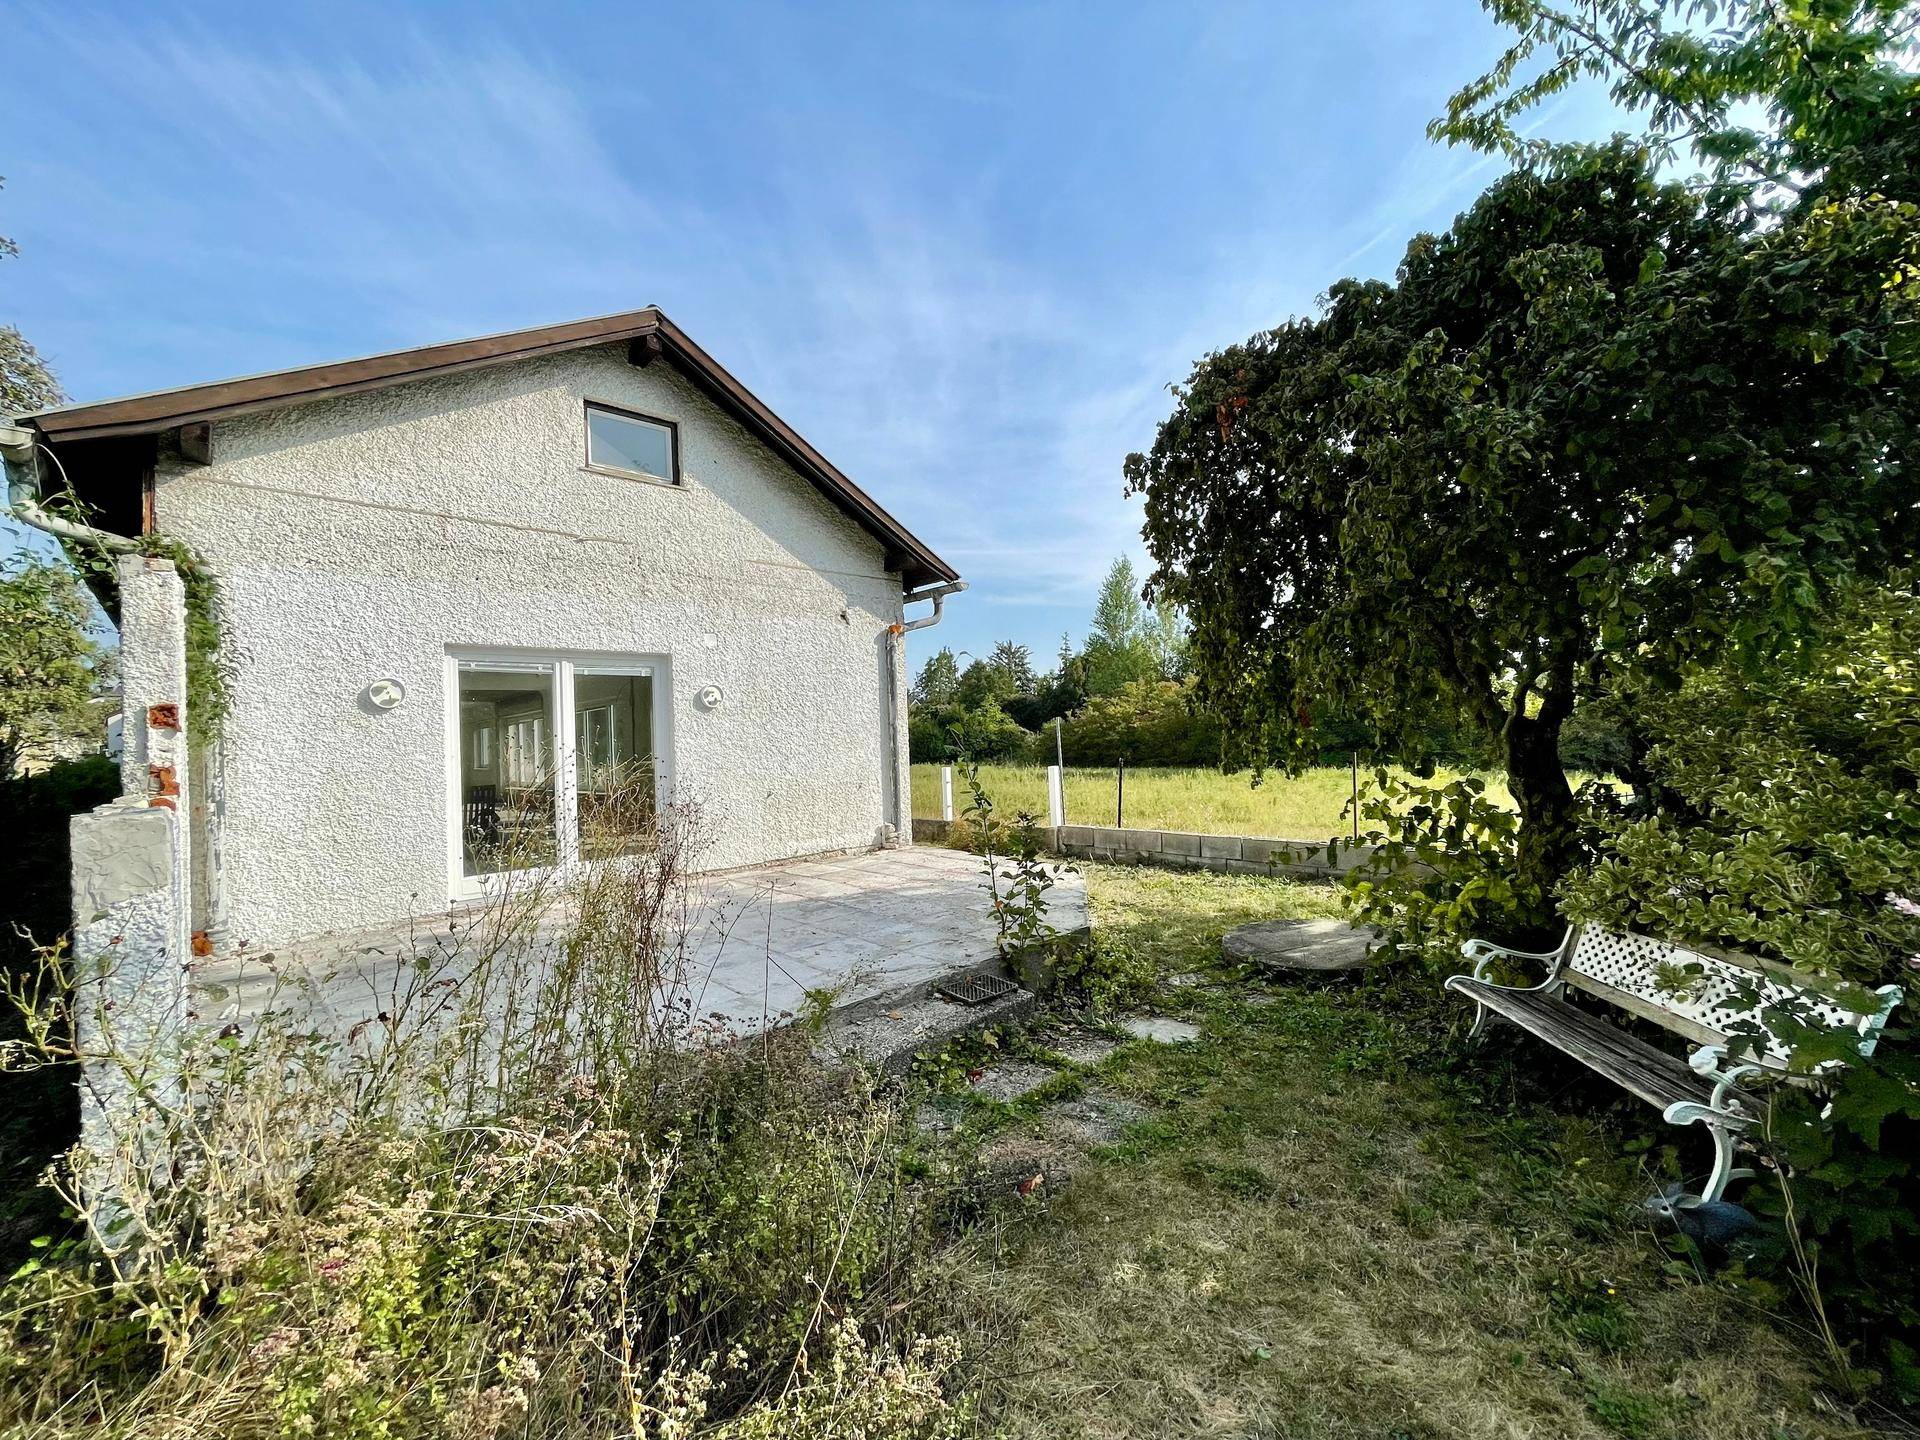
(470, 591)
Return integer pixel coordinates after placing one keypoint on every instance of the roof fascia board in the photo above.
(221, 400)
(228, 398)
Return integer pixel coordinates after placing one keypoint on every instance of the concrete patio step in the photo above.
(889, 1030)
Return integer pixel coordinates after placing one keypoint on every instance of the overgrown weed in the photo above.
(531, 1192)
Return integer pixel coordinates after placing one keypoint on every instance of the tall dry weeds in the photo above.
(527, 1191)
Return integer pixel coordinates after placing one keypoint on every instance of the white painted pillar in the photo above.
(130, 987)
(132, 867)
(946, 792)
(1056, 798)
(153, 710)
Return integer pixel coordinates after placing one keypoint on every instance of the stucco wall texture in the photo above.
(367, 536)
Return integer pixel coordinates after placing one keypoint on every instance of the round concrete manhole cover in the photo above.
(1300, 947)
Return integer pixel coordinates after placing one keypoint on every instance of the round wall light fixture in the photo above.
(710, 697)
(385, 694)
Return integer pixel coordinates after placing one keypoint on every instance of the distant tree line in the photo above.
(1129, 693)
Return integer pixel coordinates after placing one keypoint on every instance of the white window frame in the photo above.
(564, 663)
(638, 417)
(518, 767)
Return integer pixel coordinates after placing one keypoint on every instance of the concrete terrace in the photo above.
(858, 928)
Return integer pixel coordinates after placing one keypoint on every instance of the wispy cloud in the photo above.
(971, 292)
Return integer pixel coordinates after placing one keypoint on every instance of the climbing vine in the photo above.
(209, 671)
(209, 678)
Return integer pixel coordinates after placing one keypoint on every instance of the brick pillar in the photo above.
(132, 859)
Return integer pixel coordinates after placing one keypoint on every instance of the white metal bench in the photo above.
(1706, 996)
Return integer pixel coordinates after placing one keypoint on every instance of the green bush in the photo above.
(938, 734)
(1788, 824)
(1145, 722)
(39, 1111)
(34, 883)
(1442, 869)
(1592, 743)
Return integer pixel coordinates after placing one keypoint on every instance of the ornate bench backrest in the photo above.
(1700, 995)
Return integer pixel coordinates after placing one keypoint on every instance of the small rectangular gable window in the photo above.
(632, 444)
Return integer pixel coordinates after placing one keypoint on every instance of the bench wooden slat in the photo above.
(1644, 1070)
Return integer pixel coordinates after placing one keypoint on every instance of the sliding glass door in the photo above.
(616, 765)
(553, 760)
(506, 767)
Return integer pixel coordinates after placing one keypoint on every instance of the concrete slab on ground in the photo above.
(1298, 947)
(1085, 1048)
(1095, 1119)
(938, 1117)
(1039, 1157)
(890, 1030)
(877, 926)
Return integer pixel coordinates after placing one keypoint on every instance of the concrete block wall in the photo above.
(1227, 854)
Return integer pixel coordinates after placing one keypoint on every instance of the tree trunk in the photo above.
(1545, 842)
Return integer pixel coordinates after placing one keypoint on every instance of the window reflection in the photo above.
(506, 768)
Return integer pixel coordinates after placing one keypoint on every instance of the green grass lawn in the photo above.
(1310, 806)
(1332, 1222)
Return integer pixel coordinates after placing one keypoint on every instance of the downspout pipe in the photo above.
(20, 447)
(938, 595)
(896, 686)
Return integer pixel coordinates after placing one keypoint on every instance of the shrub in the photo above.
(1788, 824)
(50, 659)
(533, 1194)
(986, 733)
(1146, 722)
(39, 1115)
(1591, 742)
(1442, 869)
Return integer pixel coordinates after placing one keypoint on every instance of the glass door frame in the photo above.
(566, 800)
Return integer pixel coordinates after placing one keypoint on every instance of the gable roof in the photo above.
(650, 334)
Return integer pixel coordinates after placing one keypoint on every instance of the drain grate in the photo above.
(975, 989)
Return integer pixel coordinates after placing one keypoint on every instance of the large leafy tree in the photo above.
(48, 660)
(1599, 422)
(939, 679)
(1779, 99)
(26, 384)
(982, 684)
(1119, 645)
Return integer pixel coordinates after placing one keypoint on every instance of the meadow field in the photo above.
(1309, 806)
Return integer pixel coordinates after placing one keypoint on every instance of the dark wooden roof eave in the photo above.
(169, 409)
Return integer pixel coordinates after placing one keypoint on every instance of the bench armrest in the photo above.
(1709, 1062)
(1482, 954)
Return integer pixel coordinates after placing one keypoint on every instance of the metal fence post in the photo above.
(946, 792)
(1120, 797)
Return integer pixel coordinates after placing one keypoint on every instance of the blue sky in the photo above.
(962, 248)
